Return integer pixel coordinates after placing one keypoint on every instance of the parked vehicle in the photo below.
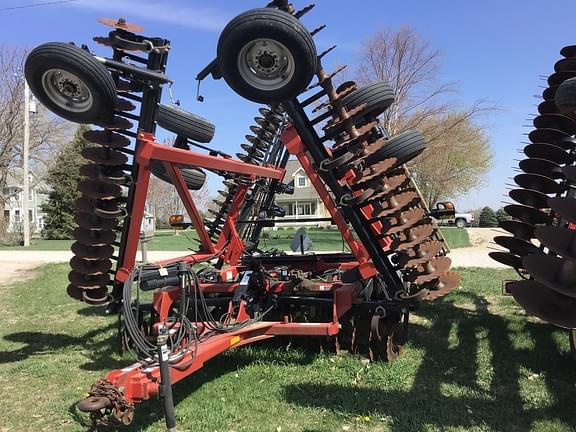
(445, 214)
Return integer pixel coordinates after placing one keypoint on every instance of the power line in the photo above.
(36, 5)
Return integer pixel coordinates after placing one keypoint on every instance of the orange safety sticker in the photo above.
(234, 340)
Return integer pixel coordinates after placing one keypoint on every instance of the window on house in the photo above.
(17, 214)
(31, 215)
(6, 216)
(301, 181)
(306, 209)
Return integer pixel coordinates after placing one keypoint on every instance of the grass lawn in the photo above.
(474, 363)
(166, 240)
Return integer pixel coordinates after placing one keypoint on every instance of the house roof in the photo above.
(300, 193)
(15, 177)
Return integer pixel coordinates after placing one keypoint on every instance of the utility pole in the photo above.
(25, 156)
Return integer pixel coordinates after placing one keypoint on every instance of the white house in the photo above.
(38, 194)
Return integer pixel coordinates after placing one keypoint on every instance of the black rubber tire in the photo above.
(404, 147)
(81, 64)
(460, 223)
(182, 122)
(277, 25)
(377, 96)
(194, 177)
(565, 97)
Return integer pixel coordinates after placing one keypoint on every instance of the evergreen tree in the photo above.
(501, 215)
(488, 218)
(63, 178)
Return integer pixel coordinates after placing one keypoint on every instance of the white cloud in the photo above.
(196, 17)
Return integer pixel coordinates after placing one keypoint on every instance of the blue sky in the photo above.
(496, 50)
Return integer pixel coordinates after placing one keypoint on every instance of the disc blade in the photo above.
(565, 207)
(516, 246)
(548, 107)
(544, 303)
(556, 121)
(90, 266)
(104, 156)
(374, 171)
(551, 136)
(570, 173)
(559, 240)
(507, 258)
(107, 138)
(559, 77)
(538, 182)
(75, 292)
(529, 197)
(556, 273)
(88, 281)
(94, 237)
(519, 229)
(550, 152)
(413, 236)
(90, 220)
(87, 251)
(445, 284)
(96, 297)
(541, 166)
(421, 253)
(396, 202)
(527, 214)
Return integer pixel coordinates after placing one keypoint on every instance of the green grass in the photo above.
(167, 240)
(456, 237)
(474, 363)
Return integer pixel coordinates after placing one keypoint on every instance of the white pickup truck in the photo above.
(445, 214)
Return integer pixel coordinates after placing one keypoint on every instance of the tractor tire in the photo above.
(71, 83)
(565, 97)
(184, 123)
(404, 147)
(460, 223)
(194, 177)
(377, 96)
(266, 55)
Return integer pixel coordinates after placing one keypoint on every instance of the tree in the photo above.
(46, 131)
(501, 215)
(457, 157)
(412, 68)
(488, 218)
(63, 178)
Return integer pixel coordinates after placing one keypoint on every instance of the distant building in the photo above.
(305, 202)
(38, 194)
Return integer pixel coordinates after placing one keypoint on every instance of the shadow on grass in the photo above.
(449, 390)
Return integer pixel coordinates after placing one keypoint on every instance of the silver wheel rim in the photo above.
(67, 91)
(266, 64)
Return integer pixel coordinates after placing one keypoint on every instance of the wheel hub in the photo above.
(67, 90)
(266, 64)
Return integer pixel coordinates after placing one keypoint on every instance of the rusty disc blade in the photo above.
(362, 198)
(559, 77)
(75, 292)
(396, 202)
(538, 182)
(87, 251)
(372, 148)
(507, 258)
(94, 237)
(374, 171)
(388, 185)
(412, 237)
(556, 273)
(107, 138)
(570, 173)
(88, 282)
(407, 219)
(516, 246)
(445, 284)
(121, 24)
(550, 152)
(551, 136)
(544, 303)
(96, 297)
(548, 107)
(527, 214)
(556, 121)
(565, 207)
(558, 239)
(99, 190)
(541, 166)
(336, 126)
(519, 229)
(124, 105)
(90, 220)
(338, 162)
(421, 253)
(90, 266)
(104, 156)
(257, 140)
(364, 134)
(529, 197)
